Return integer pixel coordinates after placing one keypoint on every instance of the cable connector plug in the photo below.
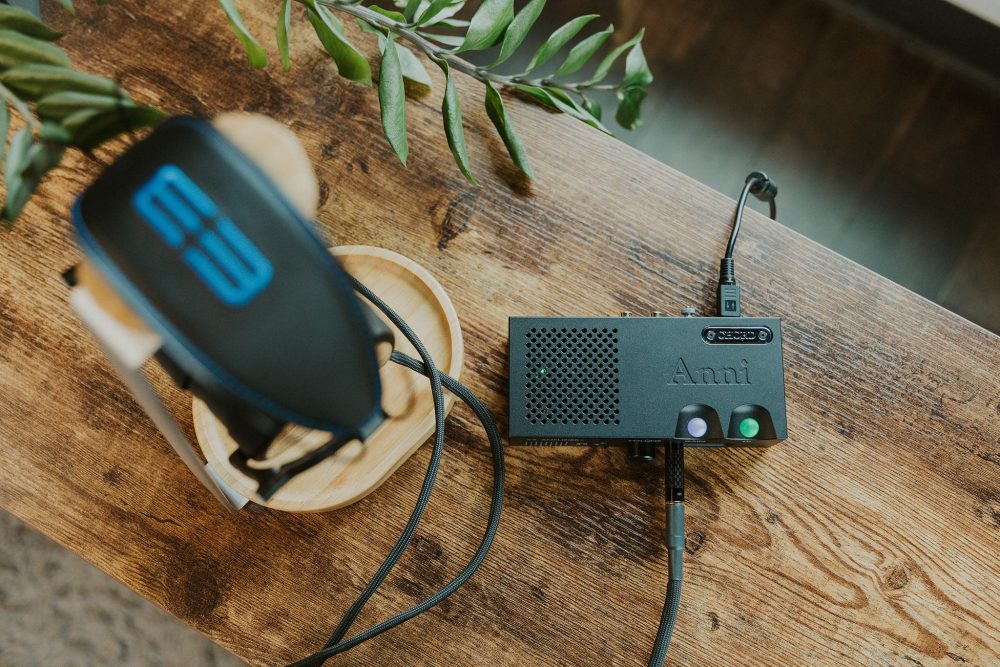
(729, 291)
(763, 188)
(674, 535)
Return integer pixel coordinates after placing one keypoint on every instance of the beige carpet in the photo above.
(56, 610)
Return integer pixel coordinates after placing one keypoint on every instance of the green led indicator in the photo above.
(749, 427)
(542, 371)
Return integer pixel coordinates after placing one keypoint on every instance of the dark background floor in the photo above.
(885, 148)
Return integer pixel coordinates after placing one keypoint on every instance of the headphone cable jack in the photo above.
(673, 487)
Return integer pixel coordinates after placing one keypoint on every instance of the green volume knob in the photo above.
(749, 427)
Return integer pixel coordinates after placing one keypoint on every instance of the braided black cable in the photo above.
(336, 644)
(667, 621)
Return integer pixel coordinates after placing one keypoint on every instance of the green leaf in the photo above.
(24, 22)
(582, 52)
(415, 77)
(605, 65)
(18, 159)
(637, 72)
(15, 156)
(255, 53)
(592, 107)
(388, 13)
(34, 81)
(392, 99)
(17, 49)
(414, 73)
(557, 40)
(67, 5)
(92, 127)
(331, 21)
(4, 126)
(45, 156)
(569, 105)
(438, 11)
(55, 133)
(431, 10)
(501, 121)
(632, 91)
(411, 9)
(537, 94)
(561, 101)
(281, 33)
(447, 40)
(630, 99)
(350, 63)
(488, 23)
(453, 23)
(518, 30)
(59, 105)
(18, 149)
(451, 110)
(28, 162)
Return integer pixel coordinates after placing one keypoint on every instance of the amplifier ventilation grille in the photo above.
(572, 376)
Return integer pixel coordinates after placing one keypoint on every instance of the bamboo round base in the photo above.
(359, 468)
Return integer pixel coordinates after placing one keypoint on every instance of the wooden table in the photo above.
(870, 537)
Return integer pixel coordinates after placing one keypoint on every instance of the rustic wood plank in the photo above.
(868, 538)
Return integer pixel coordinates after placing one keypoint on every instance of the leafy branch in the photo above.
(428, 26)
(59, 106)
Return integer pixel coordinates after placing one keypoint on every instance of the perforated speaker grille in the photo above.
(572, 376)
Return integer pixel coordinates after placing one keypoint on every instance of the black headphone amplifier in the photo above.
(643, 381)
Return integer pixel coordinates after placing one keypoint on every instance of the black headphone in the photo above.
(257, 318)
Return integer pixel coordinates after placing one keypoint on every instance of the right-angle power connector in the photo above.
(763, 188)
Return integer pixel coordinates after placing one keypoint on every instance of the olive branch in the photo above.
(59, 106)
(428, 25)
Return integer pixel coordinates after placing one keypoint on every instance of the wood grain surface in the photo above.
(870, 537)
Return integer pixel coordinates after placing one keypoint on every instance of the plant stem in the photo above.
(20, 106)
(439, 54)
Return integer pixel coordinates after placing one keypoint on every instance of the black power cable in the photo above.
(763, 188)
(337, 644)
